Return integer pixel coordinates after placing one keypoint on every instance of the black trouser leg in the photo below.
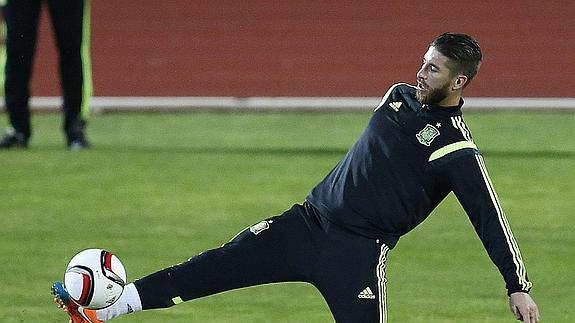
(21, 18)
(278, 250)
(348, 269)
(67, 19)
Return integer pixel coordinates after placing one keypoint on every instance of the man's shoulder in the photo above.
(401, 88)
(398, 91)
(404, 87)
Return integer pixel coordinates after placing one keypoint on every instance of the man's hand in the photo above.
(524, 308)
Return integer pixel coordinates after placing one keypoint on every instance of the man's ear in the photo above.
(459, 82)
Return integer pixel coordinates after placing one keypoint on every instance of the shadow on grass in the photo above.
(317, 151)
(252, 151)
(538, 154)
(285, 151)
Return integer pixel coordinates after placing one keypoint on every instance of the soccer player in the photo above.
(415, 150)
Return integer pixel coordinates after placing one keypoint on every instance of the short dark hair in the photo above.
(463, 52)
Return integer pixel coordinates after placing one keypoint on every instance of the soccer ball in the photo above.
(95, 278)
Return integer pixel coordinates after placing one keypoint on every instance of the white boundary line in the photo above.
(118, 104)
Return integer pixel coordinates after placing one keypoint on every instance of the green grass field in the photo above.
(159, 188)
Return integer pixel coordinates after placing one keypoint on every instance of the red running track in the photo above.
(314, 48)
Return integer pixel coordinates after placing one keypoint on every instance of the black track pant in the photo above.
(67, 17)
(347, 269)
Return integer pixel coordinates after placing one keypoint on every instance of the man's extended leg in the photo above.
(279, 249)
(275, 250)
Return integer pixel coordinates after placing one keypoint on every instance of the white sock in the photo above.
(128, 302)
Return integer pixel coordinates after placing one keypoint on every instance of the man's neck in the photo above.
(450, 101)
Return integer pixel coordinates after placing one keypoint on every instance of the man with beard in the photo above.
(415, 150)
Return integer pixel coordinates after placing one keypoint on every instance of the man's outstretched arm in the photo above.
(472, 186)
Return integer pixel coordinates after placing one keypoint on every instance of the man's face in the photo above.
(433, 78)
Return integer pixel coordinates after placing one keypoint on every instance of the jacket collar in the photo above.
(447, 111)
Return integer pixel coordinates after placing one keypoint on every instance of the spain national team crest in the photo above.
(427, 134)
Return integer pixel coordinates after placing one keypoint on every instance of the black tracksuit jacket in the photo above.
(408, 159)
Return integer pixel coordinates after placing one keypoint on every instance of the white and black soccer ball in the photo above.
(95, 278)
